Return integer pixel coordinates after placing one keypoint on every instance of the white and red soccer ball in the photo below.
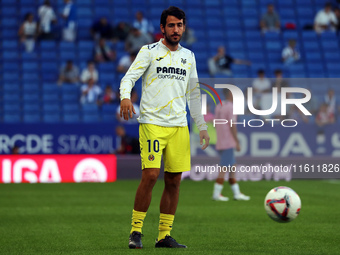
(282, 204)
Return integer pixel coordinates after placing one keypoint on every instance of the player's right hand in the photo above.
(126, 109)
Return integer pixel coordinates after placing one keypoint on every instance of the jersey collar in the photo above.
(164, 46)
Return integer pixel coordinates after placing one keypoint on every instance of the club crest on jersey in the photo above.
(184, 61)
(171, 70)
(151, 157)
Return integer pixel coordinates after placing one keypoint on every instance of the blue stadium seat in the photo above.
(12, 117)
(250, 13)
(30, 87)
(109, 108)
(91, 117)
(84, 12)
(10, 55)
(11, 67)
(11, 107)
(70, 107)
(231, 12)
(29, 107)
(50, 98)
(30, 97)
(30, 76)
(48, 55)
(102, 12)
(67, 46)
(10, 22)
(31, 117)
(10, 44)
(71, 117)
(311, 46)
(30, 66)
(330, 45)
(11, 87)
(306, 12)
(251, 23)
(9, 11)
(10, 33)
(110, 117)
(51, 117)
(51, 106)
(10, 77)
(26, 56)
(48, 45)
(89, 108)
(332, 56)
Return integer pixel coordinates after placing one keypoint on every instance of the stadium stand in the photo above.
(28, 89)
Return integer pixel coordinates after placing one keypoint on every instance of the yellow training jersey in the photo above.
(169, 82)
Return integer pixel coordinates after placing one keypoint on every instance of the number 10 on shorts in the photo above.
(154, 144)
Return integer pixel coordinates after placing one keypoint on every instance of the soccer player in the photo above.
(168, 70)
(226, 142)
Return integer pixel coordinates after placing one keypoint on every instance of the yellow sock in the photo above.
(165, 225)
(137, 221)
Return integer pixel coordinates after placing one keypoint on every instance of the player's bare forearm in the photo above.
(126, 109)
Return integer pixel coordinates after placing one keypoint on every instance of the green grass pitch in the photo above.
(93, 218)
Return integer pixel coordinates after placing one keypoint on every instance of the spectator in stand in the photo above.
(261, 87)
(296, 114)
(270, 21)
(279, 81)
(103, 52)
(109, 96)
(46, 18)
(136, 40)
(69, 73)
(90, 72)
(90, 92)
(221, 63)
(325, 19)
(330, 100)
(125, 62)
(143, 24)
(125, 143)
(324, 116)
(290, 54)
(70, 15)
(337, 14)
(28, 32)
(102, 29)
(134, 101)
(121, 31)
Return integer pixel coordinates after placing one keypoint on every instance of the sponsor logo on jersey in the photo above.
(159, 59)
(171, 70)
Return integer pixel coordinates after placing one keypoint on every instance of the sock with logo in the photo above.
(165, 225)
(137, 221)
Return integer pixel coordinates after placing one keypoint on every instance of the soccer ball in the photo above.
(282, 204)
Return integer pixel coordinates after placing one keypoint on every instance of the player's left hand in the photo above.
(204, 135)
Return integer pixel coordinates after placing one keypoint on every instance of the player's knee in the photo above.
(172, 184)
(150, 176)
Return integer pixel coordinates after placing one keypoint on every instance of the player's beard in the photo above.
(170, 40)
